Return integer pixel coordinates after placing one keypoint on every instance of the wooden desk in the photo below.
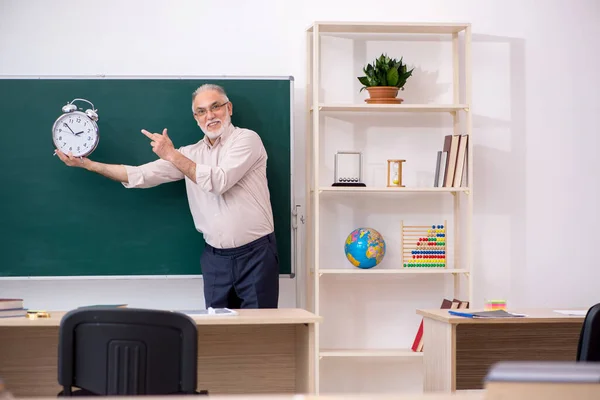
(475, 395)
(458, 351)
(262, 351)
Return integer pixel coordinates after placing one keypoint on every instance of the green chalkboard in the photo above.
(58, 221)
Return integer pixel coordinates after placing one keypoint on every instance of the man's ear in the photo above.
(230, 105)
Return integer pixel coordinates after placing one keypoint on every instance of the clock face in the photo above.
(75, 132)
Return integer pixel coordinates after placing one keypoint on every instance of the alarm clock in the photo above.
(76, 131)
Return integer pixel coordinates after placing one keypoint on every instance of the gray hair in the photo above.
(210, 86)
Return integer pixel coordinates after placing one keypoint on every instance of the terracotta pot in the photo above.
(383, 95)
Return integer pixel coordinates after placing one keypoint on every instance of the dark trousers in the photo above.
(242, 277)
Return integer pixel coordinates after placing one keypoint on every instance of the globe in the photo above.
(364, 248)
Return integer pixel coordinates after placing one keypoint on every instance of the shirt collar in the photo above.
(221, 139)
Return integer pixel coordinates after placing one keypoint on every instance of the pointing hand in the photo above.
(161, 144)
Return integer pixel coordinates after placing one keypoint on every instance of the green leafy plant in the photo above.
(385, 71)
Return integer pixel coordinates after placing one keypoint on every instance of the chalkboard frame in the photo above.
(293, 205)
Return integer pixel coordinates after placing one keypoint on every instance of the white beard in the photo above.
(215, 134)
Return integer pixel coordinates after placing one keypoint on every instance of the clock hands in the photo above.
(76, 134)
(65, 124)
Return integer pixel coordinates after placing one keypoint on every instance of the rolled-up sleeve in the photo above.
(151, 174)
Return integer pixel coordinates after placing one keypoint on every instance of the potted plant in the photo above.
(383, 79)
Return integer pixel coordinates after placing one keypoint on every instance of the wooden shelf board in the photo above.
(341, 107)
(391, 271)
(350, 189)
(390, 27)
(369, 353)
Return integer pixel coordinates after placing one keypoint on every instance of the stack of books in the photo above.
(12, 308)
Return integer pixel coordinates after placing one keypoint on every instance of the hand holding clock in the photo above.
(70, 159)
(161, 144)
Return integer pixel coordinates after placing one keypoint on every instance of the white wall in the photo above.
(536, 116)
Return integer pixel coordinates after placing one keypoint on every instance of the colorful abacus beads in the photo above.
(431, 250)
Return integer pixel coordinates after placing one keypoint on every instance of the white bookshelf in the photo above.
(391, 107)
(391, 271)
(318, 192)
(368, 190)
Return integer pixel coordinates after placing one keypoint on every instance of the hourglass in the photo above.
(394, 173)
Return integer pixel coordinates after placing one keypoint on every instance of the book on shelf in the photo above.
(446, 305)
(451, 162)
(440, 168)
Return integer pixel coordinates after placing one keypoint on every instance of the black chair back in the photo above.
(127, 351)
(588, 348)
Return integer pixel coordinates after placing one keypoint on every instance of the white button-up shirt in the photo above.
(230, 201)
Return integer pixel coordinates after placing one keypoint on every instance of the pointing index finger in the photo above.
(148, 134)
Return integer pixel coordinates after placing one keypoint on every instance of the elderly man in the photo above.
(226, 184)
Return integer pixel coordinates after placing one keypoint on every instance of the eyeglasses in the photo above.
(201, 112)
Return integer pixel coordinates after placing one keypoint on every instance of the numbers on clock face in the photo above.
(75, 133)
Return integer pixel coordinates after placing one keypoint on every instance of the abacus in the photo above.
(423, 246)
